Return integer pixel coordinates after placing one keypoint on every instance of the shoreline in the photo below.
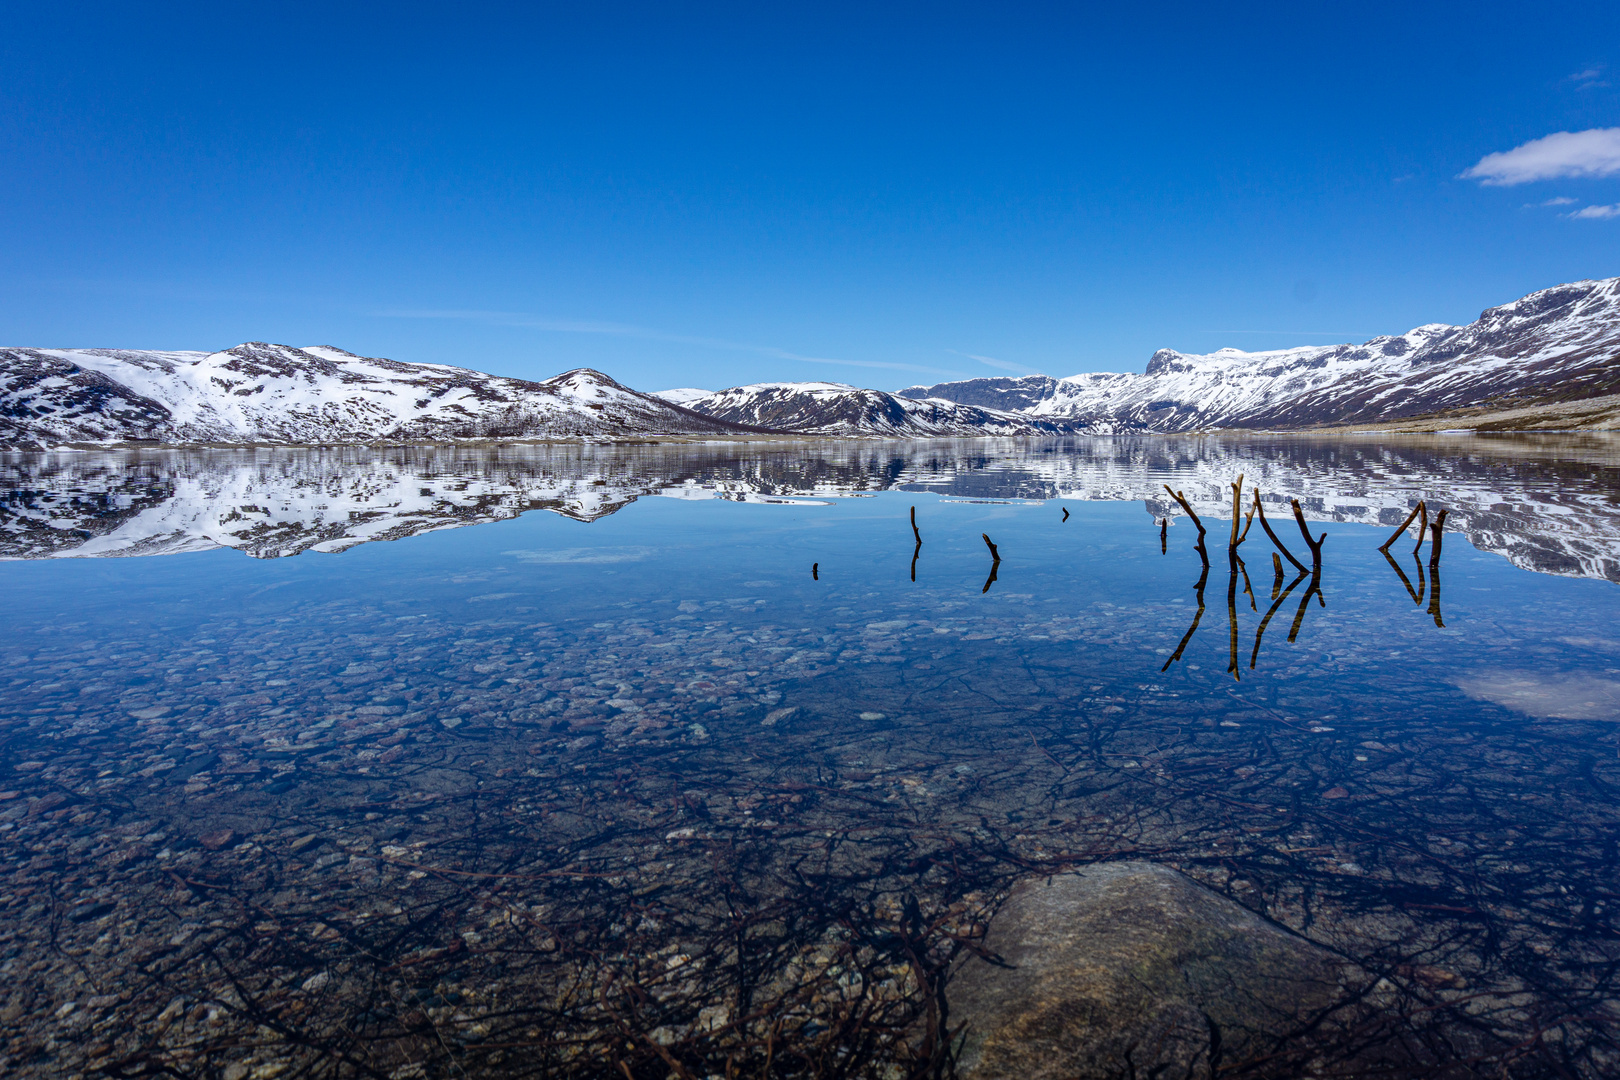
(1602, 415)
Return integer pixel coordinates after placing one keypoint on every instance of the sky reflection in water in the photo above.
(506, 772)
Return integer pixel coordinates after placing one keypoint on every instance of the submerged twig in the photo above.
(1239, 537)
(1237, 509)
(1197, 524)
(1231, 622)
(1260, 508)
(1304, 530)
(1396, 535)
(1185, 505)
(1434, 568)
(1423, 525)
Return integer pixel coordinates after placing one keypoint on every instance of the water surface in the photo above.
(715, 763)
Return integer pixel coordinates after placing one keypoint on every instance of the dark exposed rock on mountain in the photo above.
(1009, 395)
(823, 408)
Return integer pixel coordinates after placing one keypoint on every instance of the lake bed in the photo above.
(721, 767)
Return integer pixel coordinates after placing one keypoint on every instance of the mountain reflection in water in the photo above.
(1549, 503)
(708, 789)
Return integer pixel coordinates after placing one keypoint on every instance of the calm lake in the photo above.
(691, 760)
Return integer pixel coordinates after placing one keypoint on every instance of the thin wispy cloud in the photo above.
(1588, 78)
(1594, 152)
(575, 326)
(1342, 335)
(1610, 211)
(1005, 365)
(1562, 200)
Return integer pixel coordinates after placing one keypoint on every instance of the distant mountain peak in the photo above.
(1556, 344)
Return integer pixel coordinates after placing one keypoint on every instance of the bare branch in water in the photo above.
(1434, 568)
(1304, 530)
(1396, 535)
(1260, 509)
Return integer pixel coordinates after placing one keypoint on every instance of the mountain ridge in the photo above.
(1558, 344)
(258, 392)
(1523, 364)
(838, 409)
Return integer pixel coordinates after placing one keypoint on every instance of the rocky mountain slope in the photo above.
(260, 393)
(825, 408)
(1558, 345)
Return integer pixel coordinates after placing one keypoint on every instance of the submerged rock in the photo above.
(1133, 969)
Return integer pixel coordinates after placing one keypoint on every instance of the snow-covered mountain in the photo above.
(827, 408)
(1545, 503)
(681, 395)
(260, 393)
(1558, 345)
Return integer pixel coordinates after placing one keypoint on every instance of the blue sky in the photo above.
(710, 195)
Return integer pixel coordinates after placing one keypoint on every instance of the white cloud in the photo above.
(1595, 152)
(1562, 200)
(1612, 210)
